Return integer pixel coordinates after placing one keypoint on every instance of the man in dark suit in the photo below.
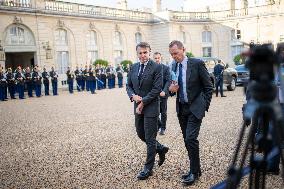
(166, 77)
(194, 92)
(144, 85)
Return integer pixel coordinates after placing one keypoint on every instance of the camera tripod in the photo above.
(262, 148)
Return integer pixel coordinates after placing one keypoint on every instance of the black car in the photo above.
(230, 75)
(243, 74)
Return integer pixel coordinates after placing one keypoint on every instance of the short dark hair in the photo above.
(156, 53)
(143, 45)
(177, 43)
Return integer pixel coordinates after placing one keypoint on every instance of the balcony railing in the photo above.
(75, 9)
(16, 3)
(217, 15)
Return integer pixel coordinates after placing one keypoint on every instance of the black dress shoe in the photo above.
(162, 155)
(143, 175)
(273, 171)
(189, 172)
(223, 96)
(190, 179)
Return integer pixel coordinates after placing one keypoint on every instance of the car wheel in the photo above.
(232, 85)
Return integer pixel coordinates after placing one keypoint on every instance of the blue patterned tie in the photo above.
(180, 83)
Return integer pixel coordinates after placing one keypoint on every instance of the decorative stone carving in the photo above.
(60, 23)
(92, 25)
(206, 27)
(138, 29)
(237, 26)
(17, 20)
(117, 27)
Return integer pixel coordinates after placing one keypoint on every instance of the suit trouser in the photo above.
(54, 87)
(30, 89)
(219, 84)
(2, 96)
(38, 90)
(147, 128)
(163, 111)
(11, 89)
(21, 89)
(5, 92)
(120, 82)
(190, 127)
(83, 84)
(78, 81)
(70, 86)
(46, 89)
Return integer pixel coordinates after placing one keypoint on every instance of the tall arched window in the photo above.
(19, 35)
(117, 39)
(92, 46)
(206, 37)
(118, 47)
(138, 37)
(62, 50)
(61, 37)
(207, 44)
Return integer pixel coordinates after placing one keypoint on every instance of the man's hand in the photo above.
(136, 98)
(139, 108)
(173, 88)
(162, 94)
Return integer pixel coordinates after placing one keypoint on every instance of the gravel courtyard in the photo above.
(89, 141)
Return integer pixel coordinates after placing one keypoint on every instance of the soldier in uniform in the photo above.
(37, 81)
(112, 70)
(166, 81)
(119, 72)
(54, 77)
(29, 81)
(108, 76)
(79, 78)
(3, 83)
(20, 79)
(11, 83)
(92, 80)
(45, 77)
(218, 73)
(99, 78)
(70, 80)
(103, 76)
(84, 80)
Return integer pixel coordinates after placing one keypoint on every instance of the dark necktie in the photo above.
(141, 71)
(180, 83)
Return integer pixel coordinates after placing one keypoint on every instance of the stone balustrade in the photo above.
(16, 3)
(75, 9)
(218, 15)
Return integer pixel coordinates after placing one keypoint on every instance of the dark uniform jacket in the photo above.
(45, 77)
(70, 76)
(36, 78)
(149, 87)
(3, 81)
(28, 78)
(20, 78)
(53, 76)
(10, 78)
(119, 72)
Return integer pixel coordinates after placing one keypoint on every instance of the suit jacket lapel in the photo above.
(188, 71)
(146, 70)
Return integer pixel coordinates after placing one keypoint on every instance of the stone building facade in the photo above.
(55, 33)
